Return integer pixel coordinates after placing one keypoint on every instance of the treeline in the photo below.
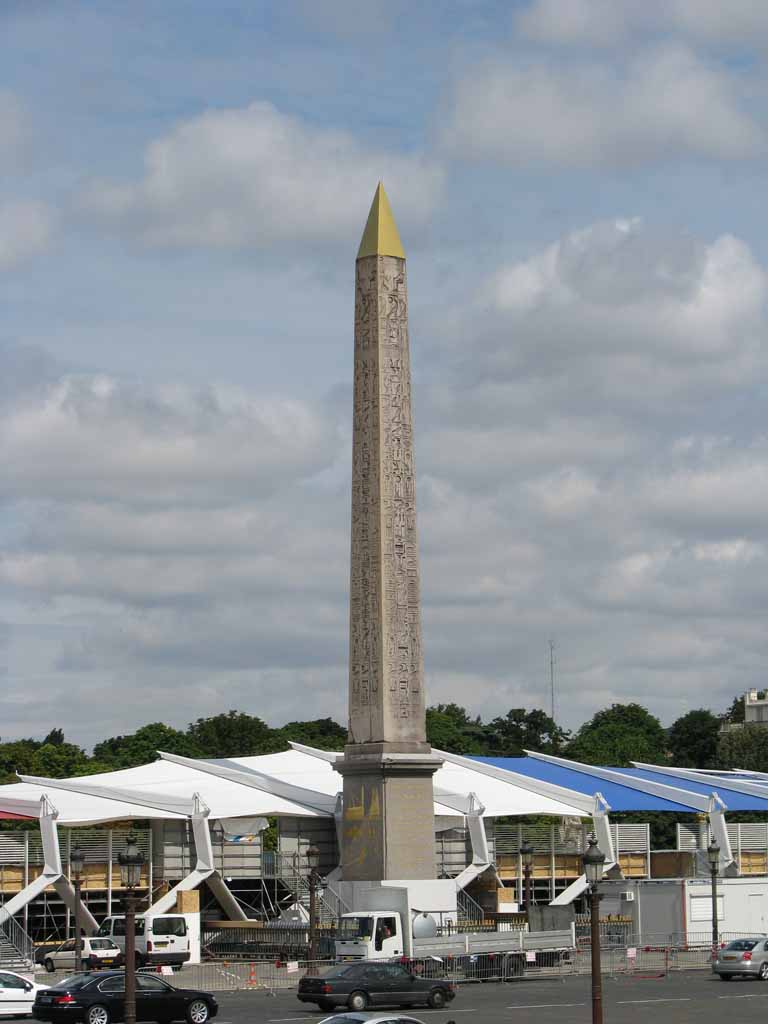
(614, 736)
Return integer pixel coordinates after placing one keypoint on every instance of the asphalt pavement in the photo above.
(696, 996)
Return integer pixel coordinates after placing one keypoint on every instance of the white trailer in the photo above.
(679, 910)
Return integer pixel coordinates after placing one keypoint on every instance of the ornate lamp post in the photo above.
(131, 863)
(76, 862)
(313, 862)
(526, 858)
(593, 861)
(713, 856)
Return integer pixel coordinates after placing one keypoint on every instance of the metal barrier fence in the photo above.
(649, 960)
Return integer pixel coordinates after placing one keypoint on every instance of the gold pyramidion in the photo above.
(380, 237)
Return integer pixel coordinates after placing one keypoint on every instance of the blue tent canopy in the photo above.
(624, 798)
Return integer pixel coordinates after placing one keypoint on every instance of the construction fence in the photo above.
(652, 960)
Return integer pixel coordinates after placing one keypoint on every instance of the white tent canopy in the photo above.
(296, 783)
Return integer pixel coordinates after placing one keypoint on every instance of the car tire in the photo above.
(436, 999)
(97, 1014)
(49, 965)
(726, 977)
(198, 1012)
(357, 1001)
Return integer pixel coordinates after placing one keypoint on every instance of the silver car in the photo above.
(352, 1017)
(743, 958)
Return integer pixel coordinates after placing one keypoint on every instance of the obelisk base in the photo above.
(388, 825)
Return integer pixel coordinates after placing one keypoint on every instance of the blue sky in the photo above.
(578, 185)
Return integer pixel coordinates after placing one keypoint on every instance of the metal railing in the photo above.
(15, 944)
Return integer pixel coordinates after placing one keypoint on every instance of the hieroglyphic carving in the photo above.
(386, 667)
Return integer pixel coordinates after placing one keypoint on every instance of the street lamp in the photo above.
(131, 863)
(526, 857)
(713, 856)
(594, 860)
(76, 862)
(313, 862)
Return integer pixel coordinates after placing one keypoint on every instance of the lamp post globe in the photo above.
(131, 862)
(593, 860)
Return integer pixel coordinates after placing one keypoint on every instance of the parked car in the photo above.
(745, 958)
(94, 953)
(17, 994)
(99, 999)
(365, 982)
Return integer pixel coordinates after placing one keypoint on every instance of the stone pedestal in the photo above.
(388, 828)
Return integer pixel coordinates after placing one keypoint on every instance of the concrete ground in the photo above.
(677, 999)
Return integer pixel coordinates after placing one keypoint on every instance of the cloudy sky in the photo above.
(579, 185)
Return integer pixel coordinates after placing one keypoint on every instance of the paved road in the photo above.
(679, 999)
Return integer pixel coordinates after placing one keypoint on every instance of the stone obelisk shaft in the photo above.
(387, 767)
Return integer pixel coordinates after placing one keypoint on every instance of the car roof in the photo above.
(367, 1018)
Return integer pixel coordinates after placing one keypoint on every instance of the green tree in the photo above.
(142, 746)
(521, 730)
(735, 713)
(451, 728)
(693, 739)
(618, 735)
(234, 734)
(321, 732)
(746, 747)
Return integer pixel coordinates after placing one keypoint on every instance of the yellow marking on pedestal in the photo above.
(380, 237)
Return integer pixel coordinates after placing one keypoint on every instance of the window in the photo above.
(386, 927)
(148, 984)
(105, 928)
(102, 944)
(742, 944)
(12, 981)
(67, 947)
(395, 971)
(169, 926)
(120, 926)
(114, 984)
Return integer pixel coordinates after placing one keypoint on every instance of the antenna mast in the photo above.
(552, 678)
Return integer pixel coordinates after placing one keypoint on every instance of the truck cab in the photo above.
(370, 935)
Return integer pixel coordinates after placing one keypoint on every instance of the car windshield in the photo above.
(742, 944)
(343, 1018)
(102, 944)
(356, 928)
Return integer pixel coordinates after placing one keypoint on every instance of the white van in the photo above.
(160, 939)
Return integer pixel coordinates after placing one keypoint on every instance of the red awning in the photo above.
(10, 816)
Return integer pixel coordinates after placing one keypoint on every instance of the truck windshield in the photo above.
(356, 928)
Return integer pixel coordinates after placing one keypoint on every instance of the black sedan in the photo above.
(99, 999)
(368, 983)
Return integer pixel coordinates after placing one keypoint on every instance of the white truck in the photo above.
(413, 938)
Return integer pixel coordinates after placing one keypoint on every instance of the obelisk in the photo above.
(388, 822)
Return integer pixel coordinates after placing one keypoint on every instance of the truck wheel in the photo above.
(357, 1001)
(436, 999)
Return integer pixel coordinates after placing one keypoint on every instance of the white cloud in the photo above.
(592, 23)
(100, 437)
(12, 133)
(25, 231)
(254, 177)
(660, 105)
